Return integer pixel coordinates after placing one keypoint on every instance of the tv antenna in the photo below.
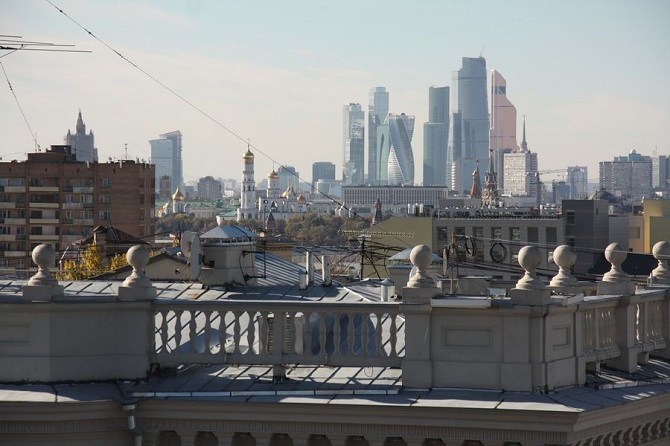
(11, 44)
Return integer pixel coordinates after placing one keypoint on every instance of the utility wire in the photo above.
(25, 119)
(196, 108)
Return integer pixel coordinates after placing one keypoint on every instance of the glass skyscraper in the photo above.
(378, 108)
(399, 158)
(353, 144)
(469, 126)
(166, 155)
(503, 124)
(435, 136)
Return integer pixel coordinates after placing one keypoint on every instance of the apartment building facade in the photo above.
(53, 198)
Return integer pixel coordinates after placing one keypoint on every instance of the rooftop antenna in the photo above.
(126, 148)
(481, 53)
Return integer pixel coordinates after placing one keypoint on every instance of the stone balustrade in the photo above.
(543, 337)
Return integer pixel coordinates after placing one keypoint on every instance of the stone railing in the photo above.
(541, 338)
(311, 333)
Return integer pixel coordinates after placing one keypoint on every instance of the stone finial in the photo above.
(137, 286)
(421, 257)
(616, 256)
(661, 252)
(43, 285)
(565, 257)
(43, 256)
(530, 257)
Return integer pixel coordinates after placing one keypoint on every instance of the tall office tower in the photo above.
(660, 172)
(166, 155)
(209, 189)
(435, 136)
(627, 176)
(353, 144)
(502, 135)
(577, 180)
(521, 177)
(82, 144)
(288, 177)
(469, 127)
(322, 170)
(400, 158)
(378, 108)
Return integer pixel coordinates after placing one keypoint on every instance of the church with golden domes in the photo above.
(279, 204)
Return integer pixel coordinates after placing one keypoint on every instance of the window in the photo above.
(105, 182)
(570, 217)
(443, 235)
(105, 215)
(36, 230)
(552, 236)
(571, 241)
(533, 236)
(68, 198)
(105, 199)
(496, 233)
(515, 234)
(87, 215)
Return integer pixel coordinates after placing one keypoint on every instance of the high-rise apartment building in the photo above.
(502, 135)
(469, 129)
(209, 189)
(166, 156)
(322, 170)
(520, 171)
(660, 172)
(353, 144)
(53, 198)
(396, 159)
(627, 176)
(378, 108)
(82, 143)
(435, 137)
(577, 179)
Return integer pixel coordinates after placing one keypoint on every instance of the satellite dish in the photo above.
(186, 242)
(196, 257)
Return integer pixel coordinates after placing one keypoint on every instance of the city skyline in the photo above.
(588, 77)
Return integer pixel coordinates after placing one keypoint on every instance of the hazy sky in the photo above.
(590, 76)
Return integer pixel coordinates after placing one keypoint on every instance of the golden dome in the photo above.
(248, 156)
(273, 175)
(288, 192)
(301, 199)
(177, 196)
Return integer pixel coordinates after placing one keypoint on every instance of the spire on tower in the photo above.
(524, 144)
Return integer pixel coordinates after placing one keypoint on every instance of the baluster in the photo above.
(322, 331)
(222, 332)
(365, 350)
(337, 334)
(192, 335)
(291, 341)
(378, 333)
(350, 334)
(251, 332)
(164, 332)
(207, 335)
(236, 332)
(393, 335)
(177, 331)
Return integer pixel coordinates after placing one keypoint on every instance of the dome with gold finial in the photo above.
(288, 193)
(273, 175)
(248, 156)
(301, 199)
(177, 196)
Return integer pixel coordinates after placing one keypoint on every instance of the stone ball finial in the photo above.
(661, 252)
(421, 257)
(565, 257)
(615, 254)
(43, 256)
(138, 257)
(530, 257)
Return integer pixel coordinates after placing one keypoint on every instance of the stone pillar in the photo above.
(137, 286)
(416, 306)
(43, 286)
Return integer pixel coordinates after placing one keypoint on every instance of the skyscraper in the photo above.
(435, 137)
(503, 124)
(322, 170)
(469, 127)
(577, 179)
(400, 159)
(521, 177)
(83, 144)
(378, 108)
(166, 155)
(353, 144)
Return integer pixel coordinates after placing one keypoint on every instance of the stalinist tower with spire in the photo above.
(82, 144)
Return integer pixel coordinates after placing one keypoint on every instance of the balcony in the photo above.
(82, 221)
(7, 237)
(43, 189)
(83, 190)
(72, 206)
(16, 254)
(15, 189)
(44, 221)
(7, 205)
(44, 237)
(16, 221)
(44, 205)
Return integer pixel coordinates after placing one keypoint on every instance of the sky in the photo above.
(591, 77)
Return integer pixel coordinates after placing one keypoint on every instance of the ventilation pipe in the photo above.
(388, 290)
(309, 266)
(302, 279)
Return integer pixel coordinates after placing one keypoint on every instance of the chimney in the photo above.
(309, 266)
(325, 272)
